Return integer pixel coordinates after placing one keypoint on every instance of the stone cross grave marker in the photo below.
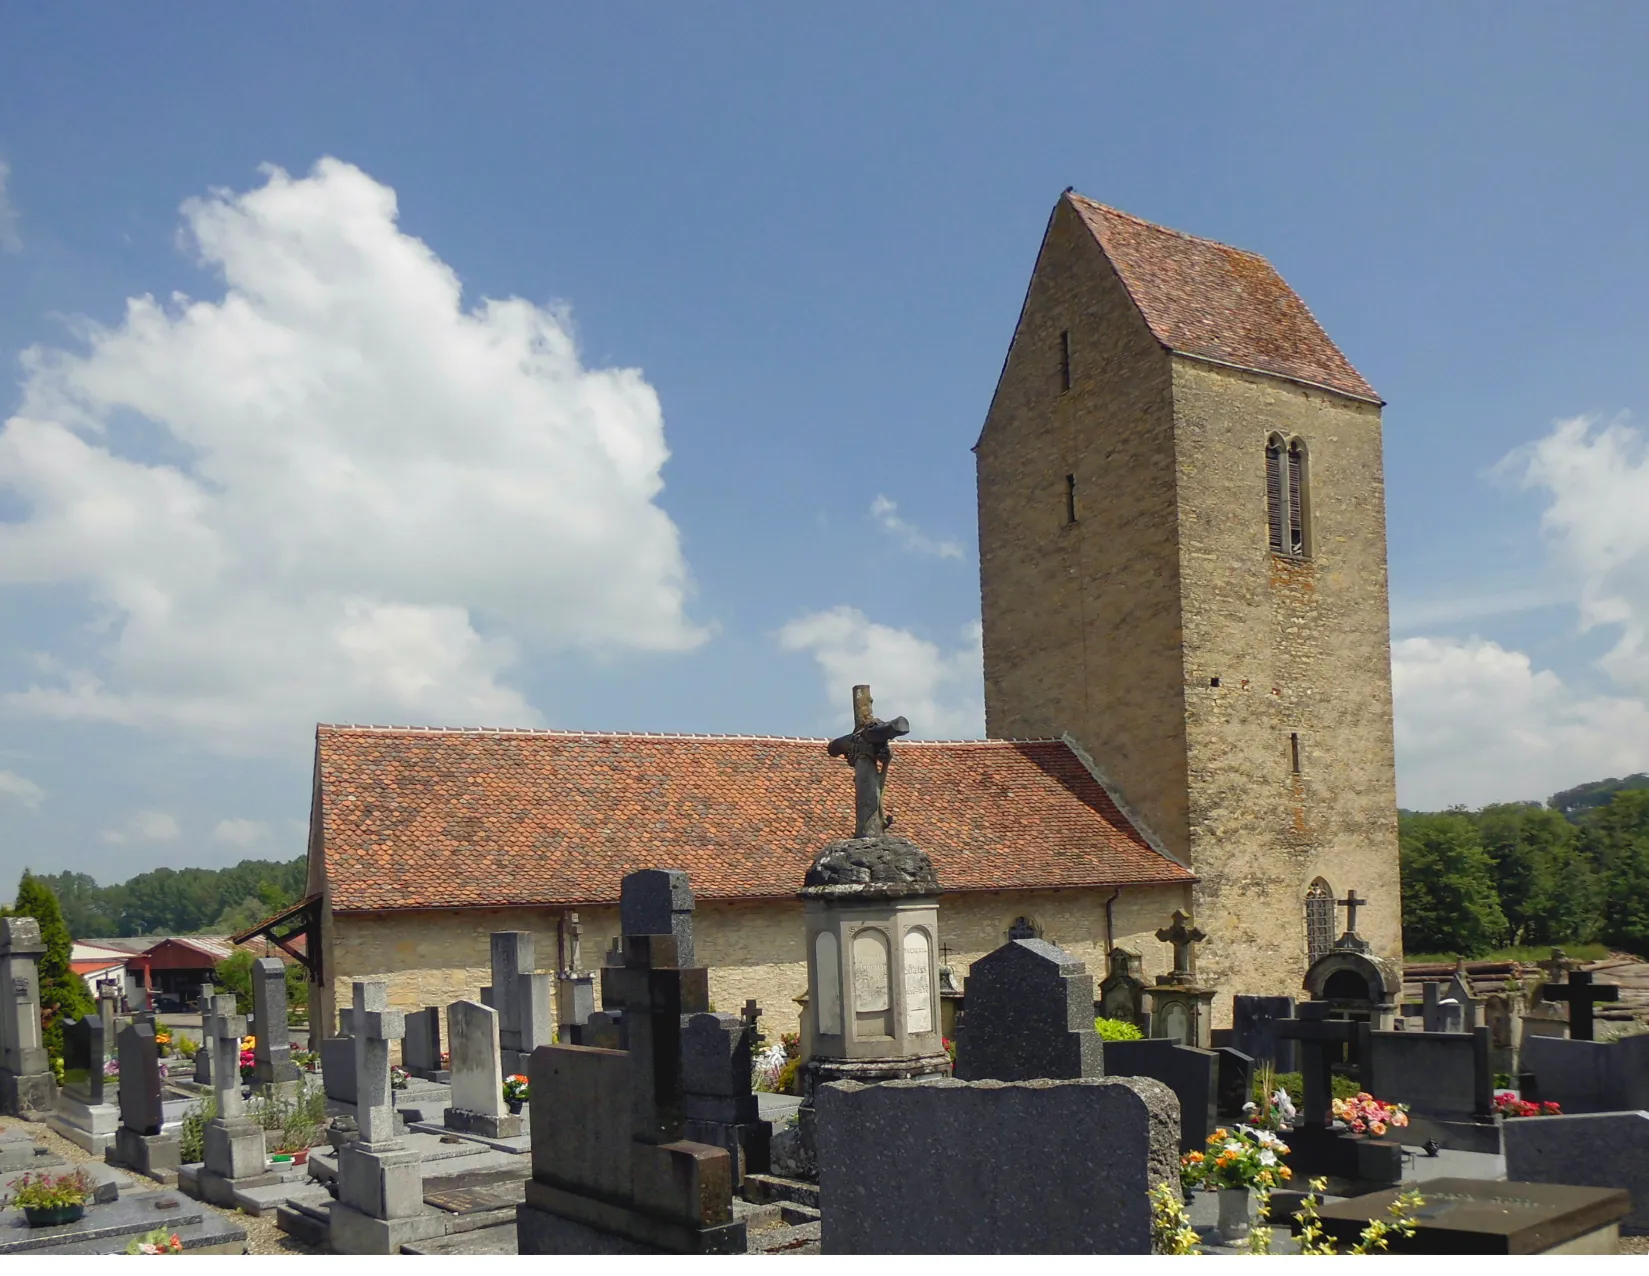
(203, 1056)
(1316, 1148)
(866, 750)
(376, 1025)
(752, 1015)
(1030, 1015)
(1582, 995)
(233, 1147)
(272, 1064)
(521, 996)
(225, 1031)
(26, 1082)
(1183, 934)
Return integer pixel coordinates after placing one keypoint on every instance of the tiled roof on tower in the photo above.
(1213, 301)
(419, 818)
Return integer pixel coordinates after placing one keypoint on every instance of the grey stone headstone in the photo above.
(421, 1047)
(1030, 1014)
(140, 1102)
(1437, 1074)
(83, 1059)
(1252, 1032)
(376, 1025)
(1192, 1074)
(659, 901)
(512, 957)
(338, 1068)
(1590, 1076)
(472, 1042)
(227, 1029)
(941, 1166)
(1609, 1149)
(272, 1048)
(22, 1052)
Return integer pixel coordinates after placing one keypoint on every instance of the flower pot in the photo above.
(54, 1215)
(280, 1158)
(1233, 1224)
(515, 1106)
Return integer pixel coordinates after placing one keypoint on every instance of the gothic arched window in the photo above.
(1024, 928)
(1287, 495)
(1319, 919)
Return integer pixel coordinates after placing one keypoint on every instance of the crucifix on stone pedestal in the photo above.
(866, 750)
(224, 1036)
(751, 1015)
(1317, 1059)
(568, 935)
(376, 1025)
(1581, 994)
(1183, 935)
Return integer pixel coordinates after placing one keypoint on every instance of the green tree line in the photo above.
(1575, 870)
(179, 901)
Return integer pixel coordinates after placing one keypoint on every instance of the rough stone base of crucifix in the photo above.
(29, 1095)
(380, 1203)
(235, 1159)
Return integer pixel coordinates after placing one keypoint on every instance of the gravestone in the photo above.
(203, 1056)
(1253, 1030)
(477, 1079)
(1235, 1084)
(1590, 1076)
(718, 1106)
(234, 1154)
(1582, 996)
(380, 1203)
(1192, 1074)
(82, 1113)
(27, 1088)
(338, 1061)
(522, 998)
(941, 1166)
(658, 901)
(1609, 1149)
(108, 1007)
(1122, 992)
(1445, 1080)
(612, 1172)
(1029, 1015)
(421, 1047)
(139, 1142)
(1315, 1146)
(1180, 1009)
(1482, 1216)
(273, 1071)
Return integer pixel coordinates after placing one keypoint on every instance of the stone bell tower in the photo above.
(1183, 567)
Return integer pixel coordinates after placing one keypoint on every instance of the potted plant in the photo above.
(50, 1200)
(1238, 1161)
(515, 1092)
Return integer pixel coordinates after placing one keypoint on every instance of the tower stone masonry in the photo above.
(1235, 694)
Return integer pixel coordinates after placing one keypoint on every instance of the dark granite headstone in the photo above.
(1252, 1031)
(1445, 1080)
(1192, 1074)
(719, 1106)
(1030, 1015)
(140, 1109)
(83, 1059)
(1482, 1216)
(1590, 1076)
(338, 1068)
(1236, 1082)
(1602, 1149)
(658, 901)
(421, 1047)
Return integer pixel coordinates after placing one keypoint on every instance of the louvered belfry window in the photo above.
(1286, 495)
(1276, 498)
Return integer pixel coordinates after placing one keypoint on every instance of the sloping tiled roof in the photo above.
(1204, 298)
(415, 818)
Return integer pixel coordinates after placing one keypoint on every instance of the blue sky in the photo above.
(787, 251)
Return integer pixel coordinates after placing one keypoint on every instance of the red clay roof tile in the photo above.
(415, 818)
(1209, 299)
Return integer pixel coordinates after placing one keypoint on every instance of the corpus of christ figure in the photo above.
(866, 751)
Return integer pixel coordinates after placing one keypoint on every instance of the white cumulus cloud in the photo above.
(241, 833)
(21, 790)
(143, 826)
(376, 496)
(941, 692)
(10, 240)
(910, 537)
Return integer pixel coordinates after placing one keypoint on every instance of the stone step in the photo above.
(520, 1143)
(258, 1201)
(800, 1239)
(756, 1217)
(309, 1225)
(763, 1188)
(489, 1240)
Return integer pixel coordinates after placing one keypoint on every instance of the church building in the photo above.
(1187, 687)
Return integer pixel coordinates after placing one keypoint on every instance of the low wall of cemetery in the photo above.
(753, 949)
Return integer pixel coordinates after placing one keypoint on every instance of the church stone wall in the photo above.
(1081, 620)
(1300, 647)
(752, 949)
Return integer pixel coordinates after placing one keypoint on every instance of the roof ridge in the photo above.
(573, 733)
(1168, 230)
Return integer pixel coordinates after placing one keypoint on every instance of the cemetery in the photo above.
(615, 1110)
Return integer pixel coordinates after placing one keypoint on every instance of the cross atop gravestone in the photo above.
(568, 934)
(224, 1033)
(1316, 1036)
(1581, 994)
(1557, 966)
(1183, 935)
(1351, 939)
(866, 750)
(376, 1025)
(752, 1021)
(658, 901)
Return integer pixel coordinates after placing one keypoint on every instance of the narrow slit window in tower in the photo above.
(1064, 361)
(1070, 498)
(1294, 752)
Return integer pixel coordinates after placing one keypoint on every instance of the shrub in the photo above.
(786, 1084)
(1117, 1030)
(51, 1191)
(192, 1129)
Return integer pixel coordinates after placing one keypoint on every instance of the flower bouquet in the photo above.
(1363, 1113)
(515, 1092)
(156, 1242)
(765, 1070)
(398, 1077)
(1239, 1157)
(50, 1200)
(1274, 1110)
(1510, 1105)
